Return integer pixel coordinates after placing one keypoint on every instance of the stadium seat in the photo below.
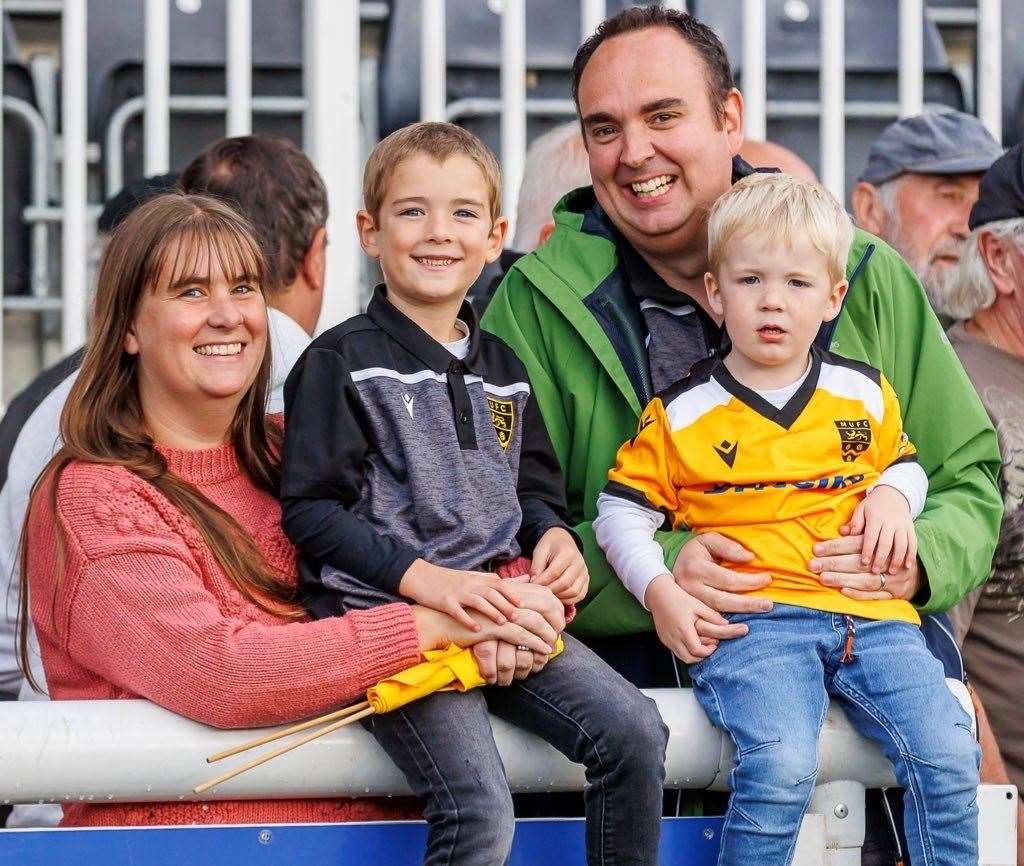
(17, 161)
(473, 37)
(872, 51)
(197, 53)
(1013, 71)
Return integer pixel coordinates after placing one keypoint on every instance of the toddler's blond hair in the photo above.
(782, 207)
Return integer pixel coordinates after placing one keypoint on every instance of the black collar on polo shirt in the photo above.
(417, 341)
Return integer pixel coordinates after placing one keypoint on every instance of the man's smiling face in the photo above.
(660, 155)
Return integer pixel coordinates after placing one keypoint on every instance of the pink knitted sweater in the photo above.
(144, 611)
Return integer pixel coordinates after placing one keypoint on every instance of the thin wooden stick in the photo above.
(262, 759)
(287, 732)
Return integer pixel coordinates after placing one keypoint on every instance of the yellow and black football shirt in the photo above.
(712, 455)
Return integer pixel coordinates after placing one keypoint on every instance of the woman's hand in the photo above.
(500, 663)
(437, 630)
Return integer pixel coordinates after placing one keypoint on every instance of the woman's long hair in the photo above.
(166, 239)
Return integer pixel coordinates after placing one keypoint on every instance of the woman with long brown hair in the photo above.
(153, 553)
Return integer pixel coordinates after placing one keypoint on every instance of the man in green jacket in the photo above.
(613, 308)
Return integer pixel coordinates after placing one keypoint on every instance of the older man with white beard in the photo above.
(918, 187)
(985, 296)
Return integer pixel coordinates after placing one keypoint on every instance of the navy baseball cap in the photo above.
(948, 142)
(1001, 194)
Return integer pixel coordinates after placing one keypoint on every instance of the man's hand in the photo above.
(838, 564)
(676, 617)
(558, 564)
(697, 572)
(456, 593)
(883, 518)
(500, 662)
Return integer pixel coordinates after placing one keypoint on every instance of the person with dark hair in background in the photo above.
(613, 309)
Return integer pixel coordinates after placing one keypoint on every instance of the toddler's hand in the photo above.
(558, 565)
(890, 542)
(457, 592)
(676, 617)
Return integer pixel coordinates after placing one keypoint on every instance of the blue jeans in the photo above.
(769, 691)
(444, 746)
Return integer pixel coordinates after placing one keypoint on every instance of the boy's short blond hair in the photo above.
(782, 207)
(438, 141)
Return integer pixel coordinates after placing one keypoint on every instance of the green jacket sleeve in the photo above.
(887, 320)
(536, 331)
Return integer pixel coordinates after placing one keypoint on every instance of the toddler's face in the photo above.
(774, 297)
(434, 233)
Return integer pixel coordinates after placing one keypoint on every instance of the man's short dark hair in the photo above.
(700, 37)
(273, 183)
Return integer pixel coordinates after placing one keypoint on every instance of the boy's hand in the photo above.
(457, 592)
(890, 542)
(676, 617)
(558, 564)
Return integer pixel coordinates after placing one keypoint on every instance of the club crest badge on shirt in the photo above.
(854, 437)
(503, 417)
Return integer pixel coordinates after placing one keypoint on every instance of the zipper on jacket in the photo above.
(626, 348)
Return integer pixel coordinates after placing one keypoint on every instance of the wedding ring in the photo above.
(881, 581)
(523, 648)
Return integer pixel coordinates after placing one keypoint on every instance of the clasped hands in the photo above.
(875, 558)
(511, 623)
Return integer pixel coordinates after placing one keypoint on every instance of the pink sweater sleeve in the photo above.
(145, 623)
(135, 610)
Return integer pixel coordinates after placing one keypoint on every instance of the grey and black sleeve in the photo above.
(327, 438)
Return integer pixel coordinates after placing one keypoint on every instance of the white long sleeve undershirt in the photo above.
(625, 530)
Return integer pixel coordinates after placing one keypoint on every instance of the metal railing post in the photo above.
(433, 61)
(990, 66)
(3, 263)
(330, 133)
(911, 63)
(755, 89)
(513, 107)
(157, 86)
(592, 13)
(239, 67)
(74, 280)
(832, 96)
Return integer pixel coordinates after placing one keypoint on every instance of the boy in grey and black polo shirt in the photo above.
(415, 464)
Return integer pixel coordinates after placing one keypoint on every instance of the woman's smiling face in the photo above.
(200, 330)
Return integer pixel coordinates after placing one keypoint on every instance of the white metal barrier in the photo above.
(134, 751)
(113, 751)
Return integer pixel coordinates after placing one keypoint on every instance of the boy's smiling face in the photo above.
(434, 232)
(774, 296)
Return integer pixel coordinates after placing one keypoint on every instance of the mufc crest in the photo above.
(854, 437)
(503, 417)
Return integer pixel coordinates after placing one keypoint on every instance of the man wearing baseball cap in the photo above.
(986, 298)
(918, 187)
